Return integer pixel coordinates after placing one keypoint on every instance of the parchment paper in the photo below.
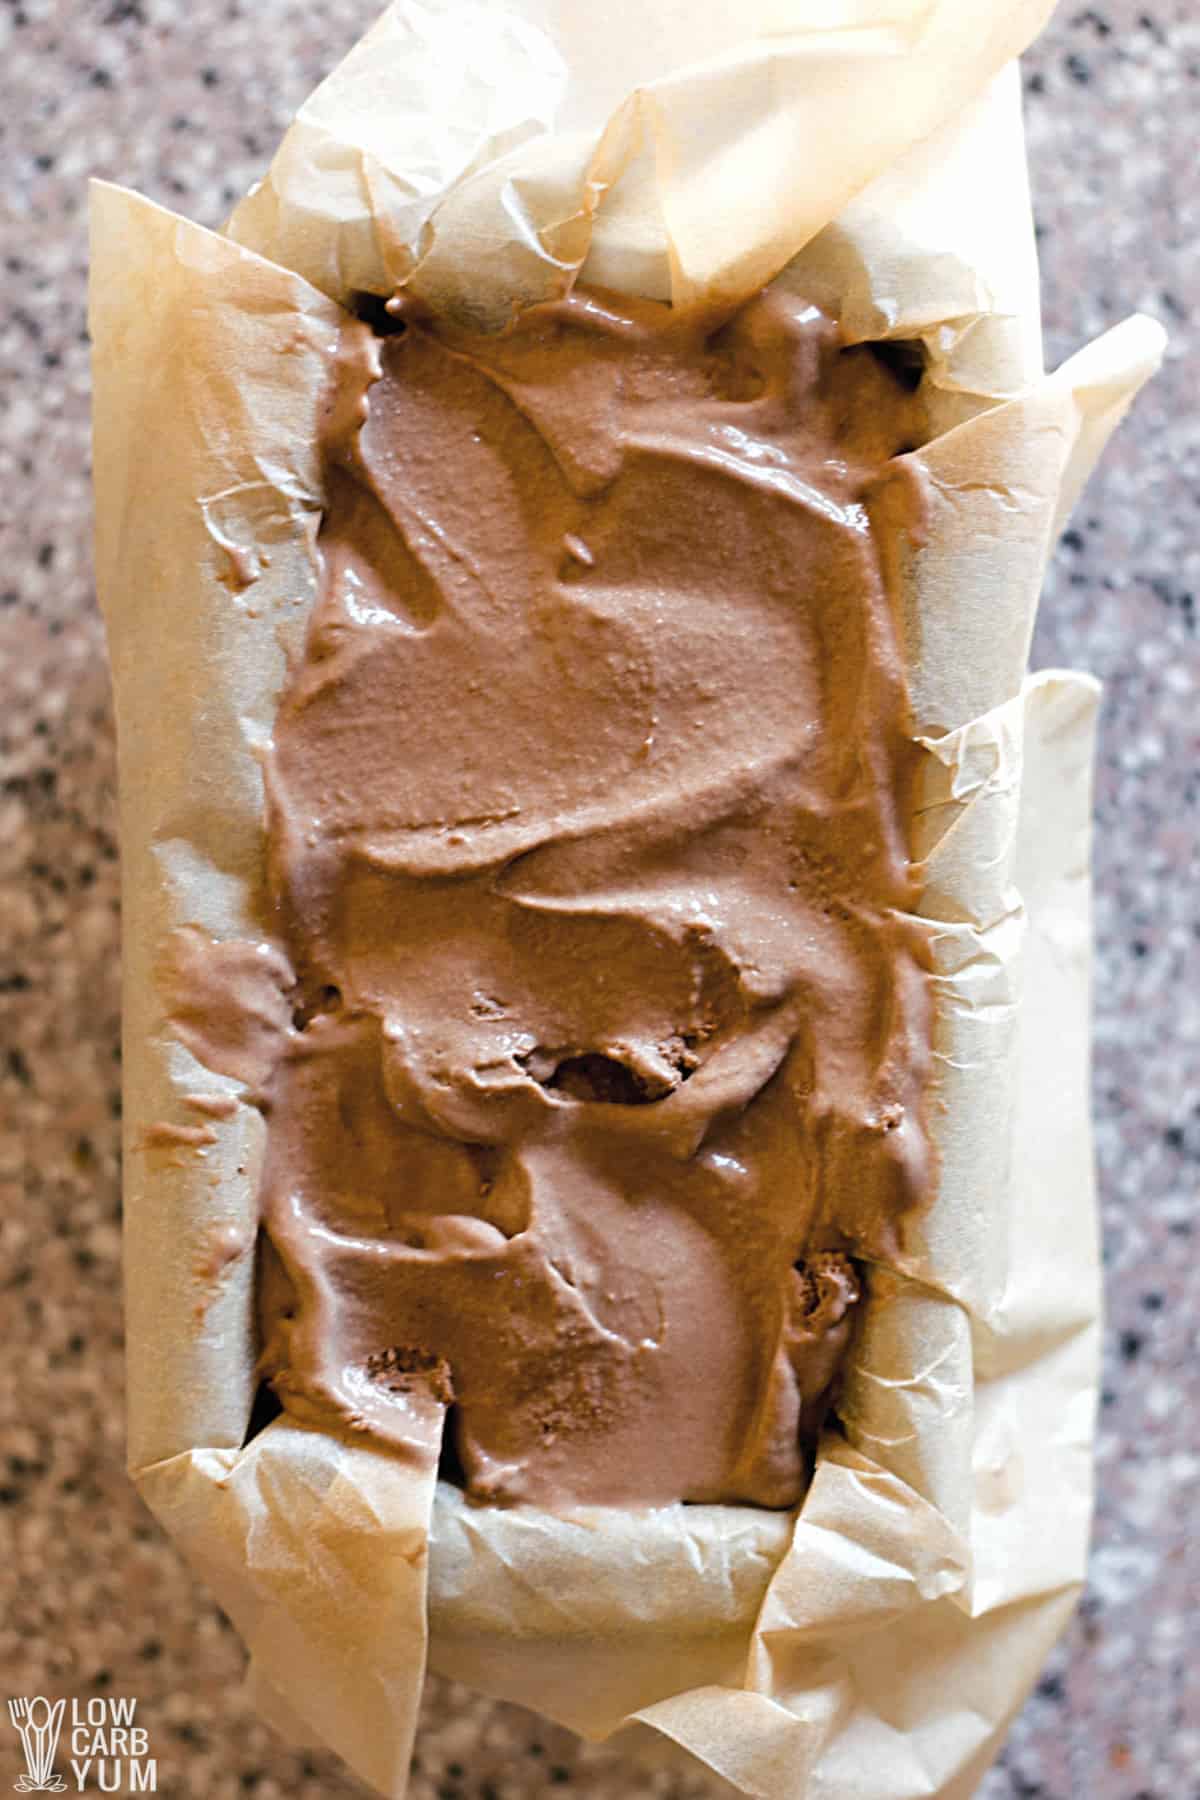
(875, 1642)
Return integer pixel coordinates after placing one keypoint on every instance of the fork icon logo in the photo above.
(38, 1724)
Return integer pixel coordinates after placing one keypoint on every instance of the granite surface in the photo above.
(185, 102)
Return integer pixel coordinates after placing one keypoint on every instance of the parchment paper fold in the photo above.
(876, 1642)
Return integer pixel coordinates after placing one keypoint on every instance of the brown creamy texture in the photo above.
(587, 826)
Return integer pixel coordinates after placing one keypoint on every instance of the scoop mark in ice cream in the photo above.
(594, 1045)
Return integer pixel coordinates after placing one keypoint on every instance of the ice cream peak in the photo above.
(587, 826)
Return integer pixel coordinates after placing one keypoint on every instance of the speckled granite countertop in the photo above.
(94, 1600)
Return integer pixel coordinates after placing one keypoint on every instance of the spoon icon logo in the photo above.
(38, 1725)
